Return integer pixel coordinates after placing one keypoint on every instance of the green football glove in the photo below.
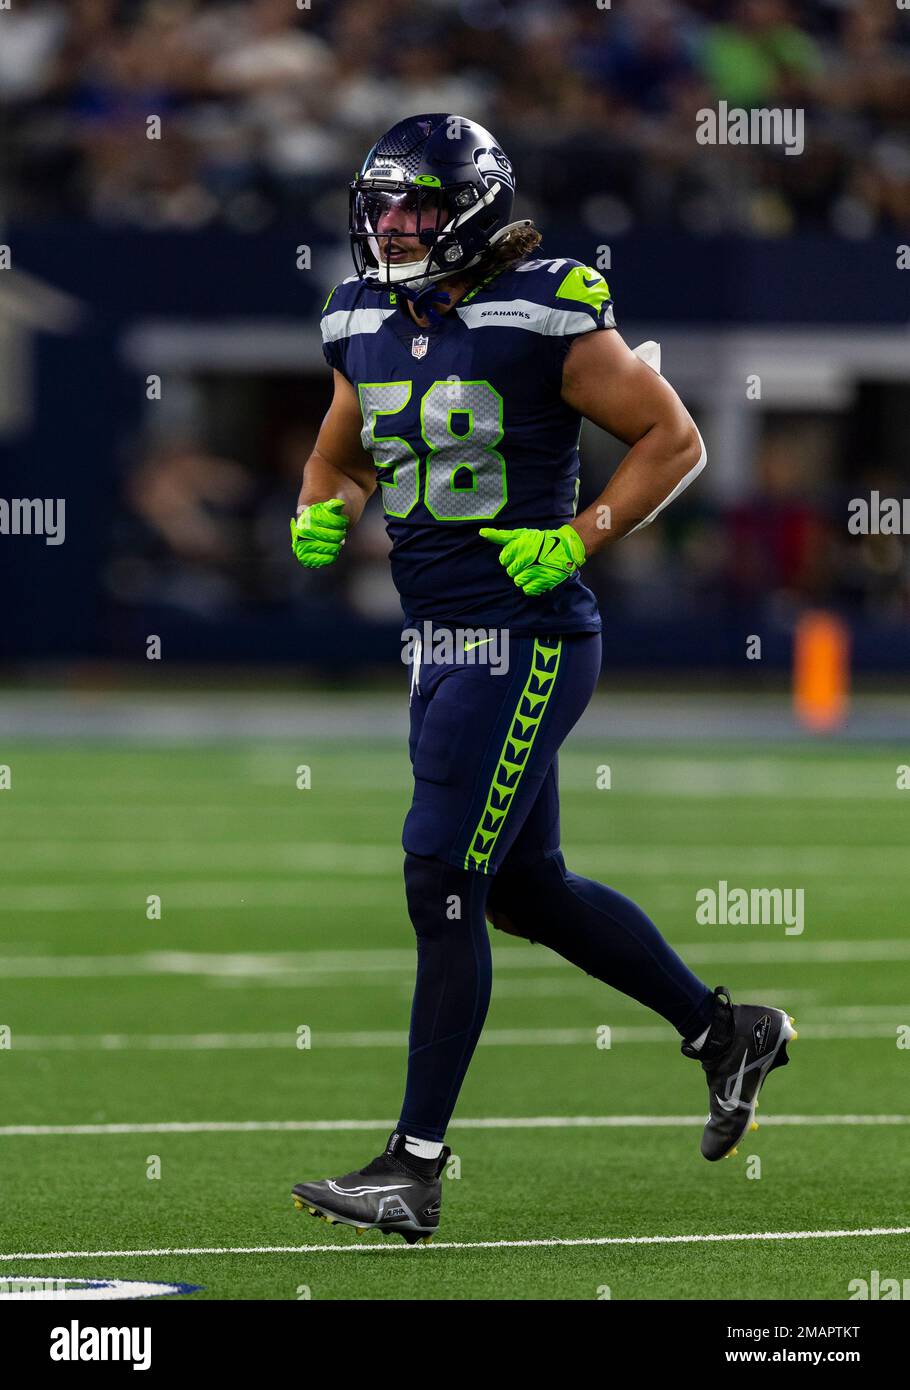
(538, 560)
(317, 534)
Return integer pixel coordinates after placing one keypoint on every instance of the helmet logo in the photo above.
(493, 166)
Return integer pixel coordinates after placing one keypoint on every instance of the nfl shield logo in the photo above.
(419, 346)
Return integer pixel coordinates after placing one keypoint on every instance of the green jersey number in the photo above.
(461, 424)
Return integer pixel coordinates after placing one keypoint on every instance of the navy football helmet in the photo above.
(442, 183)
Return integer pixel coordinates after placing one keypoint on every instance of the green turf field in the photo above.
(282, 909)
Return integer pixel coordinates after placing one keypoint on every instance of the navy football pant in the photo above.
(481, 841)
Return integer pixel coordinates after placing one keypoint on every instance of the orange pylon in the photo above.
(821, 671)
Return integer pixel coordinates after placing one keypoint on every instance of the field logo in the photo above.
(22, 1287)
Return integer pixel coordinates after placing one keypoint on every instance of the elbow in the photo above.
(692, 455)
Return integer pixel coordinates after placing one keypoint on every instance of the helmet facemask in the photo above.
(389, 218)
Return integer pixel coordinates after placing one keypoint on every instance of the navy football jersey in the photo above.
(467, 429)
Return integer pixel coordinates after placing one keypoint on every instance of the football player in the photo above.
(463, 366)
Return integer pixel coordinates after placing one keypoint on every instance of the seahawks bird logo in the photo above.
(493, 166)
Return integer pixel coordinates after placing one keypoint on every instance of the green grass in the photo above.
(283, 908)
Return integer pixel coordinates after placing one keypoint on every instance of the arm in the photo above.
(606, 383)
(338, 466)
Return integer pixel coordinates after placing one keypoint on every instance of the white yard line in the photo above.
(81, 843)
(311, 966)
(875, 1026)
(486, 1122)
(371, 1249)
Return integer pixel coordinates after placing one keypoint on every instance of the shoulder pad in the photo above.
(344, 295)
(352, 307)
(569, 286)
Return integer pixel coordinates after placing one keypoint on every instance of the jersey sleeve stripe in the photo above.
(534, 318)
(344, 323)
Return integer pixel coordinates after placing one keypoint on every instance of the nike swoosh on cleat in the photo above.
(363, 1191)
(733, 1102)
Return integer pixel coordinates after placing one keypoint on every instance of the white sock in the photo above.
(422, 1148)
(698, 1043)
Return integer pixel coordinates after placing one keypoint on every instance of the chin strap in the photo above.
(423, 284)
(424, 301)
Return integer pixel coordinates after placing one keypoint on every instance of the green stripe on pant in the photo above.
(532, 704)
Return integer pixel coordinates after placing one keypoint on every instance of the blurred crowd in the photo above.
(267, 106)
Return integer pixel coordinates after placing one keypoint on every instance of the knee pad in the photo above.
(441, 896)
(525, 902)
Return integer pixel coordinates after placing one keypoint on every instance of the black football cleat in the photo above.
(746, 1042)
(397, 1194)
